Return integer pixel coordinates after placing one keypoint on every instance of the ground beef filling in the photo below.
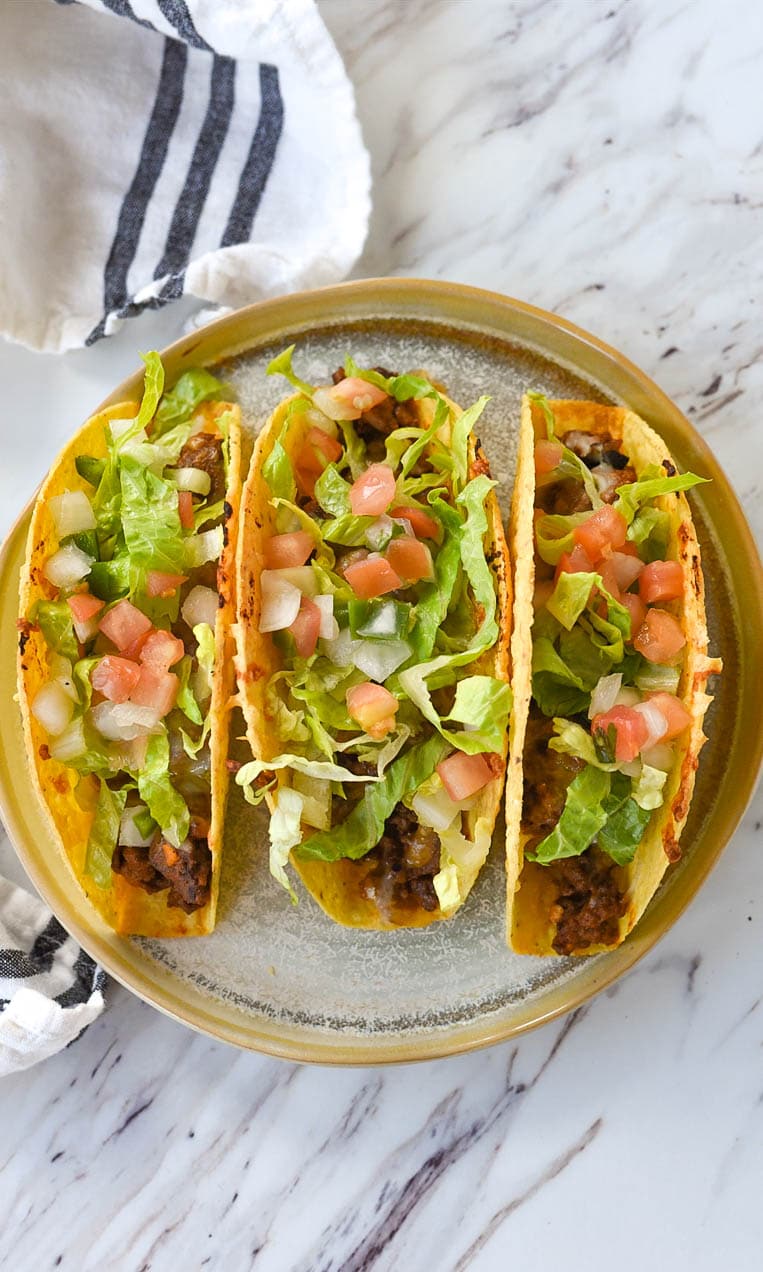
(610, 467)
(377, 423)
(186, 871)
(205, 451)
(403, 865)
(588, 902)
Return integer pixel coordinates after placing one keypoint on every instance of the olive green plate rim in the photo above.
(465, 310)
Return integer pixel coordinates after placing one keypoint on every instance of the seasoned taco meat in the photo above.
(187, 871)
(134, 866)
(403, 865)
(547, 775)
(589, 903)
(610, 467)
(383, 419)
(206, 452)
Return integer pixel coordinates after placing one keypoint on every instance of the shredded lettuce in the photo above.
(150, 519)
(459, 445)
(648, 786)
(153, 384)
(333, 492)
(281, 365)
(363, 827)
(554, 534)
(277, 469)
(582, 818)
(482, 702)
(556, 687)
(166, 806)
(324, 769)
(348, 530)
(54, 619)
(573, 739)
(649, 486)
(285, 832)
(191, 389)
(624, 828)
(435, 596)
(104, 833)
(460, 861)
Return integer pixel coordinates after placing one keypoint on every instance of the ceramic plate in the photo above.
(284, 979)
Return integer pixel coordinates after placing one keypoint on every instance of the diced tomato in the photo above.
(124, 624)
(305, 627)
(674, 711)
(575, 562)
(85, 610)
(422, 525)
(358, 394)
(373, 491)
(319, 449)
(115, 677)
(661, 581)
(161, 650)
(373, 707)
(286, 550)
(135, 648)
(84, 606)
(305, 481)
(410, 559)
(372, 577)
(609, 577)
(636, 608)
(463, 775)
(605, 528)
(628, 548)
(185, 508)
(631, 731)
(157, 689)
(160, 584)
(626, 567)
(659, 637)
(548, 456)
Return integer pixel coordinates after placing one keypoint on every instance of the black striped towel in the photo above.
(156, 148)
(50, 990)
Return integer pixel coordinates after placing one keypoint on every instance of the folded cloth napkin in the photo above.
(155, 148)
(50, 990)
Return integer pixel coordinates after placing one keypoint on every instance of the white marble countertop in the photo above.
(601, 159)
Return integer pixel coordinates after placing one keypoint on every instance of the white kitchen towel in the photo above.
(50, 990)
(155, 148)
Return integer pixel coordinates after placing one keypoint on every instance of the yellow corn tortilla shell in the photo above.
(68, 799)
(336, 886)
(531, 891)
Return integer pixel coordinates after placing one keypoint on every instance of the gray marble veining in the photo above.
(603, 160)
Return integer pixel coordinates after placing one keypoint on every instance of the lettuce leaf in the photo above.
(582, 818)
(285, 832)
(473, 559)
(54, 619)
(104, 833)
(435, 596)
(624, 828)
(460, 860)
(556, 688)
(648, 787)
(150, 519)
(324, 769)
(153, 384)
(333, 492)
(482, 702)
(277, 469)
(649, 486)
(459, 444)
(554, 534)
(281, 365)
(348, 530)
(191, 389)
(166, 806)
(363, 827)
(573, 739)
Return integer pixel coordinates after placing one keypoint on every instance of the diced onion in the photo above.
(627, 698)
(660, 756)
(204, 547)
(300, 576)
(71, 513)
(123, 721)
(196, 480)
(329, 405)
(129, 835)
(655, 722)
(329, 628)
(61, 673)
(67, 566)
(406, 524)
(200, 606)
(70, 744)
(435, 809)
(605, 694)
(379, 532)
(379, 658)
(340, 650)
(316, 800)
(53, 708)
(316, 419)
(280, 601)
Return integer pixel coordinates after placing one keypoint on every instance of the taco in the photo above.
(373, 645)
(611, 655)
(124, 668)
